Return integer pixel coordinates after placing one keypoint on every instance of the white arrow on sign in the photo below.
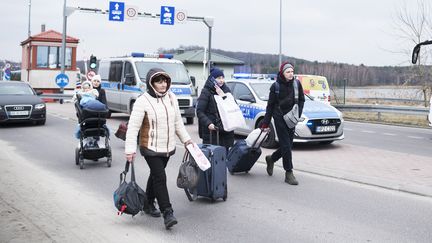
(116, 6)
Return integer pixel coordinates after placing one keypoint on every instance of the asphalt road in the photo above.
(259, 208)
(408, 140)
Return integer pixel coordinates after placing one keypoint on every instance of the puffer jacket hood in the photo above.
(151, 74)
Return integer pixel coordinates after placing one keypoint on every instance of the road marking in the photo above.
(348, 129)
(415, 137)
(366, 131)
(389, 134)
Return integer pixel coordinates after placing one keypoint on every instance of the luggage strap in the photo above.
(193, 196)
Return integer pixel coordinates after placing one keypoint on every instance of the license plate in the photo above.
(325, 128)
(182, 111)
(18, 113)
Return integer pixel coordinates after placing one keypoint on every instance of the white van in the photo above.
(124, 79)
(315, 86)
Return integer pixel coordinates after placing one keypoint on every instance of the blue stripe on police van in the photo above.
(181, 91)
(250, 112)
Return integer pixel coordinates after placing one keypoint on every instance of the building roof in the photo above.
(50, 36)
(196, 56)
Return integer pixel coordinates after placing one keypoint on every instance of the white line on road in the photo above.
(415, 137)
(389, 134)
(366, 131)
(348, 129)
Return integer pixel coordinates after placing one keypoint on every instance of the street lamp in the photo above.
(280, 32)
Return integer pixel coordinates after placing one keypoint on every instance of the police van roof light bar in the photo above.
(139, 54)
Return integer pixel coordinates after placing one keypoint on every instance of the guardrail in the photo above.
(380, 108)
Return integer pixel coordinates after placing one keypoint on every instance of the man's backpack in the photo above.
(129, 198)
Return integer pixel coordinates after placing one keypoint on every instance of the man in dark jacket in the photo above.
(281, 101)
(207, 112)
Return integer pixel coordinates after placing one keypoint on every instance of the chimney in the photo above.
(180, 51)
(43, 28)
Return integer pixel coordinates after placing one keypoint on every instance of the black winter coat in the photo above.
(102, 95)
(207, 111)
(283, 102)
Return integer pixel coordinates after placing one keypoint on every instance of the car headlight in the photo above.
(39, 106)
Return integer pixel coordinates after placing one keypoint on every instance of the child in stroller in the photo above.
(91, 129)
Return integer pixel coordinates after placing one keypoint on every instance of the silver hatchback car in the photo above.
(323, 123)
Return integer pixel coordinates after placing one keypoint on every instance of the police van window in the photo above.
(115, 71)
(241, 89)
(177, 71)
(104, 70)
(129, 74)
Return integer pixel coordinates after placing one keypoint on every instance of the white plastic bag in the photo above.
(256, 135)
(199, 157)
(230, 113)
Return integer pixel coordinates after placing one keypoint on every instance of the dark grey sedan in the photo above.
(19, 103)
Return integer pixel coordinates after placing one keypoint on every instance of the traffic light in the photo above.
(93, 62)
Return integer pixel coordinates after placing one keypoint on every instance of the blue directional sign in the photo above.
(116, 11)
(62, 80)
(7, 74)
(167, 15)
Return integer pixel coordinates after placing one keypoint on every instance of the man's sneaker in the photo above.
(290, 178)
(270, 165)
(169, 219)
(151, 210)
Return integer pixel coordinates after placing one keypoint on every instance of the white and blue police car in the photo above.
(323, 123)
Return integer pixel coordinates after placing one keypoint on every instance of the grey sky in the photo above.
(348, 31)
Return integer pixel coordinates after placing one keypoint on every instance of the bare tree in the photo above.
(414, 26)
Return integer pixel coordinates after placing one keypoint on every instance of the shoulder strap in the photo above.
(277, 88)
(296, 93)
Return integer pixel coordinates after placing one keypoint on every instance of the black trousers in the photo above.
(286, 137)
(157, 182)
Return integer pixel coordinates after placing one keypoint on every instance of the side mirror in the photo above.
(248, 98)
(38, 92)
(130, 79)
(192, 78)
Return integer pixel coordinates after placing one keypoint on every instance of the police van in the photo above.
(124, 79)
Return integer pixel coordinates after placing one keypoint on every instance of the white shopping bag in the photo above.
(256, 135)
(230, 113)
(201, 160)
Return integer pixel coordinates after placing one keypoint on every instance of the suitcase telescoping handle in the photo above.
(256, 140)
(217, 136)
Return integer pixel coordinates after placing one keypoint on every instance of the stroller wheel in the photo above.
(109, 158)
(77, 155)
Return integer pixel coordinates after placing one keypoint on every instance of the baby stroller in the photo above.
(93, 136)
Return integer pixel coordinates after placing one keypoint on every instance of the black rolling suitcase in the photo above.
(242, 157)
(212, 183)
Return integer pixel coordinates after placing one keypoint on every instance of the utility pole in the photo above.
(29, 18)
(280, 33)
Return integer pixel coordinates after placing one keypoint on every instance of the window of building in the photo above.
(50, 57)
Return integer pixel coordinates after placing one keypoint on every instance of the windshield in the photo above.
(262, 90)
(176, 71)
(15, 89)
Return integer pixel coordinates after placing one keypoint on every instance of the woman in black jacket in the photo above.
(207, 112)
(96, 82)
(281, 101)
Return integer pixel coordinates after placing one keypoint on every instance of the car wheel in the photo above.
(189, 120)
(42, 122)
(270, 142)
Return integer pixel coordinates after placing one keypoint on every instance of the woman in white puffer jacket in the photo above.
(156, 116)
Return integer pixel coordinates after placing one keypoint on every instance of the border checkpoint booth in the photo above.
(41, 61)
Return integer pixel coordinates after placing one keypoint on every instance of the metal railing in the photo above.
(389, 109)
